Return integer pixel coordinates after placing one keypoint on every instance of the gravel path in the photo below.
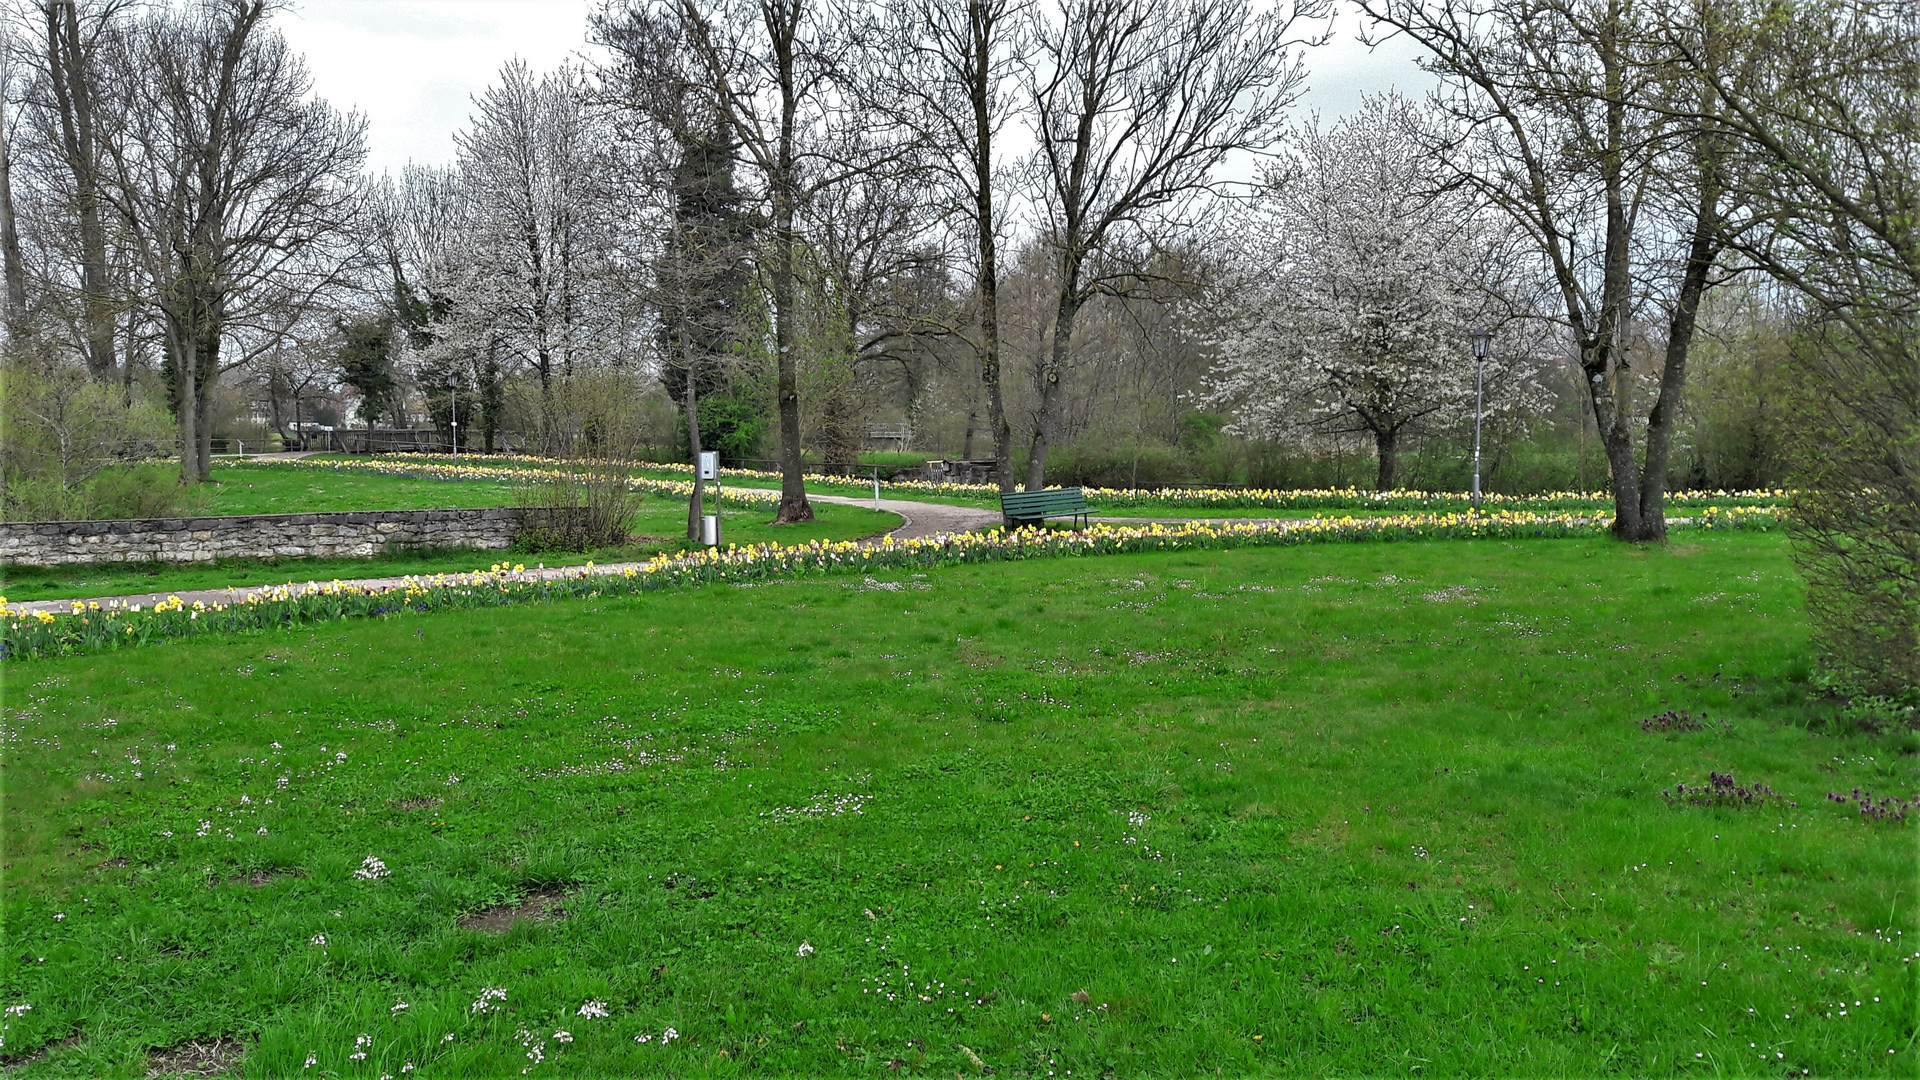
(917, 520)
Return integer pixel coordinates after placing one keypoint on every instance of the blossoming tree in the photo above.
(1357, 288)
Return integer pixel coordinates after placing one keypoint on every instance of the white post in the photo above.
(876, 487)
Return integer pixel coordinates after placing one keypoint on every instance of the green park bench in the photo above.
(1021, 508)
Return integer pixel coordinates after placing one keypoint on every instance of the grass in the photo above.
(1360, 809)
(660, 522)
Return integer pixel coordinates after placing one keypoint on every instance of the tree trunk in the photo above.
(793, 489)
(982, 20)
(696, 506)
(186, 368)
(15, 262)
(1673, 377)
(1386, 442)
(73, 97)
(1045, 423)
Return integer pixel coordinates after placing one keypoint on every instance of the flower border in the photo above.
(92, 628)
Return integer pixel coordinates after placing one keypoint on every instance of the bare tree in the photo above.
(1566, 129)
(12, 259)
(963, 64)
(236, 187)
(1136, 104)
(73, 77)
(771, 67)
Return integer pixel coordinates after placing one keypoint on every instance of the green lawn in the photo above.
(660, 522)
(1362, 809)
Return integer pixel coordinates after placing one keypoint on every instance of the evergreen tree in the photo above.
(706, 284)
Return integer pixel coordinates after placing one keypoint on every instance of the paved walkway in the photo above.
(918, 519)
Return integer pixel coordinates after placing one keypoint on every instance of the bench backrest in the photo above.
(1047, 501)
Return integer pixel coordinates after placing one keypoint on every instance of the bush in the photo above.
(582, 512)
(68, 449)
(1856, 511)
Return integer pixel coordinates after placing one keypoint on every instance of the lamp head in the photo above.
(1482, 343)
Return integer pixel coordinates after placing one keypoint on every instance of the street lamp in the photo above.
(453, 403)
(1482, 344)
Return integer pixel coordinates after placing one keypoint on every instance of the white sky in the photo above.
(412, 67)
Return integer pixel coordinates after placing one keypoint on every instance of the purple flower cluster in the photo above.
(1722, 790)
(1887, 808)
(1680, 720)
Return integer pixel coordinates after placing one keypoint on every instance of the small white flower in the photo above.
(318, 939)
(261, 831)
(804, 950)
(312, 1060)
(487, 1002)
(398, 1007)
(371, 869)
(668, 1036)
(15, 1010)
(594, 1010)
(60, 916)
(563, 1036)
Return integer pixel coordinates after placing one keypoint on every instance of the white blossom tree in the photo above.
(1357, 293)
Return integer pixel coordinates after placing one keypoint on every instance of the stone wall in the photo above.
(256, 536)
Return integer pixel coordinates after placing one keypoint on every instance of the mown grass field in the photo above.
(659, 525)
(1370, 808)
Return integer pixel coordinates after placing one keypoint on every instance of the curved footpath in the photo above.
(917, 519)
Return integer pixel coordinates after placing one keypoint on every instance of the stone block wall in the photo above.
(255, 536)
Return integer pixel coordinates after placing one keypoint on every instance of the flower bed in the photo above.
(418, 467)
(1187, 498)
(91, 628)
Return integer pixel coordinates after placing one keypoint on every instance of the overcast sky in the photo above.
(413, 66)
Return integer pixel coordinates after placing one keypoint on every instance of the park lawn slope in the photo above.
(1319, 809)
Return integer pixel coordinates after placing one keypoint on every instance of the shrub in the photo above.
(68, 447)
(1856, 511)
(580, 512)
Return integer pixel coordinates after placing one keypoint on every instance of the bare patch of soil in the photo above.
(425, 802)
(209, 1058)
(539, 906)
(261, 878)
(116, 862)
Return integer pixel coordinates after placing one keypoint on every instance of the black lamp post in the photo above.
(1482, 344)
